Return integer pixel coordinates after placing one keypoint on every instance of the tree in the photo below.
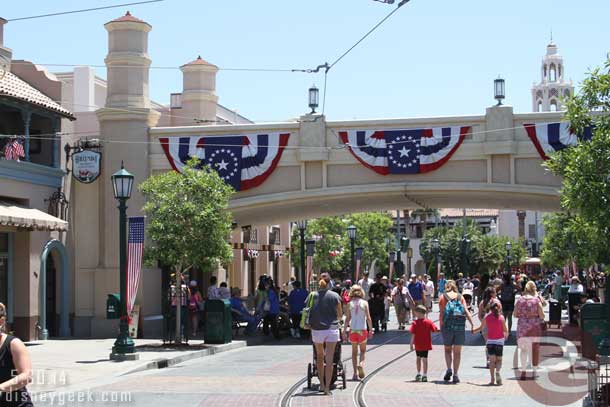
(333, 252)
(187, 220)
(484, 254)
(585, 168)
(569, 237)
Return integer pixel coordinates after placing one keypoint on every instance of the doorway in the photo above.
(252, 283)
(51, 297)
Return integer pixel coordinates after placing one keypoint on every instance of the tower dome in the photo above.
(549, 93)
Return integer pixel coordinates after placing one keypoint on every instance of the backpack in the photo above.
(508, 294)
(454, 316)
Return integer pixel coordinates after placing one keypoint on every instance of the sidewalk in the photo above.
(79, 363)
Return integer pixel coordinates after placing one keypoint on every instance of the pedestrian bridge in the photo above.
(496, 166)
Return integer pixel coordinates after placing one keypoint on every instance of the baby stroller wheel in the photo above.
(309, 376)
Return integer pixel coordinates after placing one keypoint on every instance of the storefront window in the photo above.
(4, 268)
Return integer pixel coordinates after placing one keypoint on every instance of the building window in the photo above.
(559, 70)
(545, 72)
(274, 235)
(553, 105)
(531, 232)
(553, 93)
(247, 231)
(540, 106)
(566, 93)
(538, 94)
(552, 73)
(175, 101)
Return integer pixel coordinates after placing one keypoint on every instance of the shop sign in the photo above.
(86, 165)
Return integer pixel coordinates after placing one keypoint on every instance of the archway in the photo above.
(59, 255)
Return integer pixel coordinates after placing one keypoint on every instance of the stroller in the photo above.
(467, 294)
(338, 370)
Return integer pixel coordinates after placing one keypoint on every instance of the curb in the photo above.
(162, 363)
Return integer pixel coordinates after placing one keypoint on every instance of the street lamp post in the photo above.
(436, 247)
(302, 225)
(351, 233)
(122, 183)
(509, 246)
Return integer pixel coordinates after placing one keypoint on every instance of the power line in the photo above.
(253, 69)
(84, 10)
(402, 3)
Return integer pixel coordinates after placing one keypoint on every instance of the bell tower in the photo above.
(548, 94)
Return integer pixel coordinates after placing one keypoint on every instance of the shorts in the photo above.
(457, 338)
(495, 350)
(422, 354)
(358, 337)
(326, 335)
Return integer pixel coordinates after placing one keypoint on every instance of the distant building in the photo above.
(548, 94)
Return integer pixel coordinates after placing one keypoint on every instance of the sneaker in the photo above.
(418, 378)
(361, 372)
(424, 378)
(498, 379)
(448, 374)
(456, 379)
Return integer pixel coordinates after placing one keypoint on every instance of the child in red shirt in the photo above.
(421, 340)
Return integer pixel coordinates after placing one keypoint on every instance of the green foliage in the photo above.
(585, 169)
(569, 237)
(484, 253)
(187, 218)
(330, 234)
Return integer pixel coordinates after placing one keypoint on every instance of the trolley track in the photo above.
(359, 400)
(358, 392)
(286, 399)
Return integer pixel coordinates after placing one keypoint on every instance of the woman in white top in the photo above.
(358, 324)
(576, 287)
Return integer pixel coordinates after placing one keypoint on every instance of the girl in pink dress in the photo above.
(531, 317)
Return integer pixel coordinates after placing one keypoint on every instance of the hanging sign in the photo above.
(86, 165)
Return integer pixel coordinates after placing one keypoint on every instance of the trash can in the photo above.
(555, 313)
(593, 328)
(573, 307)
(217, 322)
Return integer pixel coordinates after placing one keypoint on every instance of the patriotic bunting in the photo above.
(13, 150)
(551, 137)
(408, 151)
(243, 161)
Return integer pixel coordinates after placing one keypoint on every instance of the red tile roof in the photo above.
(128, 17)
(14, 87)
(199, 61)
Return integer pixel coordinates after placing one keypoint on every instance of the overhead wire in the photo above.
(83, 10)
(52, 136)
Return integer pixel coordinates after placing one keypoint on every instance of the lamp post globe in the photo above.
(499, 90)
(314, 96)
(122, 184)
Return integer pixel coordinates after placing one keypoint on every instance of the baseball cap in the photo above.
(193, 283)
(421, 308)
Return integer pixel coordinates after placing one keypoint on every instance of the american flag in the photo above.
(135, 247)
(14, 150)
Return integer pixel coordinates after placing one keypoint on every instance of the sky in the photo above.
(431, 58)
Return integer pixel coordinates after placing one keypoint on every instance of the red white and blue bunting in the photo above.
(551, 137)
(243, 161)
(408, 151)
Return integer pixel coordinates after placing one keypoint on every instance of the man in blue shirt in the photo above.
(296, 303)
(417, 290)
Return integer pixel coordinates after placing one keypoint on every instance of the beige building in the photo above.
(35, 280)
(496, 166)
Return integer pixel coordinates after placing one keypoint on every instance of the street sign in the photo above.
(86, 166)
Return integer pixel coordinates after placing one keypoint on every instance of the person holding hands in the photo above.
(497, 333)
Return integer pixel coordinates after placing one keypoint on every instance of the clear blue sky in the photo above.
(432, 58)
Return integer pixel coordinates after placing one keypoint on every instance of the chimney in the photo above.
(6, 54)
(199, 100)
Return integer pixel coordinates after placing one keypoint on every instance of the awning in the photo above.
(28, 218)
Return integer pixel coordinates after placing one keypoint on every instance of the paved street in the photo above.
(260, 375)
